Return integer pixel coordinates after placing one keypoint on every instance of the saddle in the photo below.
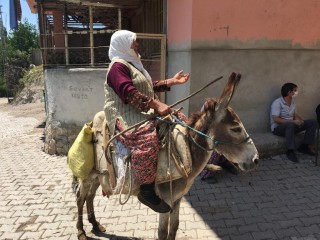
(174, 160)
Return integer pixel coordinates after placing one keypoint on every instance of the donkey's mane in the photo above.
(201, 122)
(194, 117)
(208, 106)
(210, 103)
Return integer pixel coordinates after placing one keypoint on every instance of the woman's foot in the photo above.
(148, 197)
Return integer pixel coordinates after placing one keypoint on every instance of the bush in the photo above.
(15, 57)
(34, 75)
(3, 88)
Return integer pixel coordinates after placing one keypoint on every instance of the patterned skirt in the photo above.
(143, 144)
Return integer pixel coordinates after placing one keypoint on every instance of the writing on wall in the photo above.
(80, 92)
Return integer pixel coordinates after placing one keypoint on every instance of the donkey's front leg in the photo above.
(174, 220)
(166, 232)
(90, 208)
(163, 226)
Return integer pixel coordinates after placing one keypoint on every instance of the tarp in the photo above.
(81, 155)
(15, 13)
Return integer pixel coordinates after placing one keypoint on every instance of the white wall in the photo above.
(74, 95)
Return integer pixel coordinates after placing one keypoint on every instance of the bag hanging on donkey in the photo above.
(81, 156)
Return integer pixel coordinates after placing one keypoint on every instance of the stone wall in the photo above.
(59, 137)
(73, 97)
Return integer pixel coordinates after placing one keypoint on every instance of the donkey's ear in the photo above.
(228, 91)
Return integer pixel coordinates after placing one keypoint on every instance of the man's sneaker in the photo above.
(306, 150)
(148, 197)
(291, 156)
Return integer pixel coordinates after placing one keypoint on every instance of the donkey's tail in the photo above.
(75, 184)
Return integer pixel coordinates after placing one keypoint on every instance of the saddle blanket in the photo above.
(179, 164)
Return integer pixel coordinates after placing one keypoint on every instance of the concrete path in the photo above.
(280, 200)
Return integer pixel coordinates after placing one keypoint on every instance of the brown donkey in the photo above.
(217, 128)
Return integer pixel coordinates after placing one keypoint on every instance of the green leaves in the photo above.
(15, 56)
(25, 38)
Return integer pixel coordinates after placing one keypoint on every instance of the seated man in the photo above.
(286, 122)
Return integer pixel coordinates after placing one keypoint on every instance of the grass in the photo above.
(34, 75)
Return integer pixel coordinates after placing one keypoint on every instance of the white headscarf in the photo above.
(120, 48)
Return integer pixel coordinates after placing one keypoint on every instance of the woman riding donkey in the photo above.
(130, 99)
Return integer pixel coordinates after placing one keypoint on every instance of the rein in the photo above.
(216, 142)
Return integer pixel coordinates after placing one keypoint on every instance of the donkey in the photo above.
(221, 130)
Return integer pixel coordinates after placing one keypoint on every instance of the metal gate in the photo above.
(152, 48)
(78, 35)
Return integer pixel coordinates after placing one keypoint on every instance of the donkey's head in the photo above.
(225, 131)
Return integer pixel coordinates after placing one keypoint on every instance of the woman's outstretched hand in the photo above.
(179, 78)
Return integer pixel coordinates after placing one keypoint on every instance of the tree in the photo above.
(25, 38)
(16, 55)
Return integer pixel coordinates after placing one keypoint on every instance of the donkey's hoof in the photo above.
(81, 235)
(99, 228)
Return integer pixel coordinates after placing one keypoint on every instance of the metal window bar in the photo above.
(79, 51)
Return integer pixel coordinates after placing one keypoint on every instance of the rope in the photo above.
(169, 167)
(185, 125)
(199, 146)
(128, 169)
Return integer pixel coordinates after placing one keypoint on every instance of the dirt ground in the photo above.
(35, 110)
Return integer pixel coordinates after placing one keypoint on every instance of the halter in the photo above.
(216, 142)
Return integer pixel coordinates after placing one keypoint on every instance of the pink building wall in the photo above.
(269, 42)
(245, 21)
(180, 21)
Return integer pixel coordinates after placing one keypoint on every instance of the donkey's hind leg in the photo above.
(81, 198)
(90, 208)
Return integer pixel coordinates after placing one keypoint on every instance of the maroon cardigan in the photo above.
(119, 79)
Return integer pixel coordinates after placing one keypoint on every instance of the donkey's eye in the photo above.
(236, 130)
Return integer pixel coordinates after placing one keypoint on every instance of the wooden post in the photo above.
(119, 18)
(42, 34)
(66, 44)
(91, 36)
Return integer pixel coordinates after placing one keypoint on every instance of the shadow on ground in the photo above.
(109, 236)
(279, 200)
